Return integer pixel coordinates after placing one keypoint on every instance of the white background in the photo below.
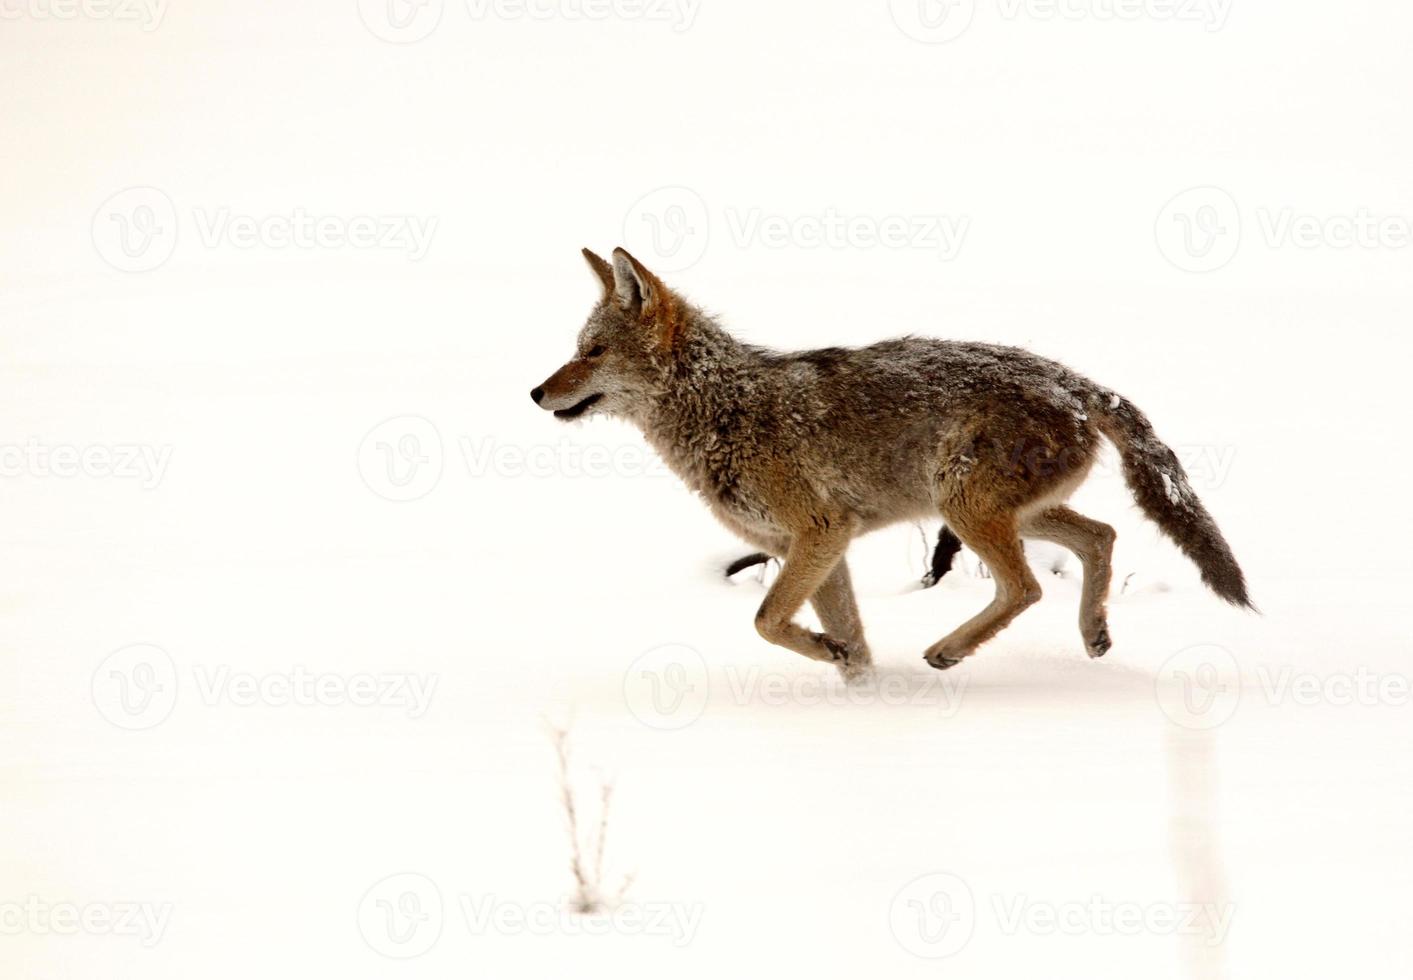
(1259, 321)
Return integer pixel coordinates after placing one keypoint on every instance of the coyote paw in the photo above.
(856, 673)
(839, 652)
(1098, 642)
(854, 662)
(942, 661)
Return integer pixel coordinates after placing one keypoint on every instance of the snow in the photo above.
(1171, 488)
(352, 668)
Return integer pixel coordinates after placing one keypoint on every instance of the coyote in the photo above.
(798, 453)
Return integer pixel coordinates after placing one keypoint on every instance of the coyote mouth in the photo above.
(574, 411)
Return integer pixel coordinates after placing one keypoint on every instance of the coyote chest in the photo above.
(732, 480)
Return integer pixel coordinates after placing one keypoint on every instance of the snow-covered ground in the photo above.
(298, 580)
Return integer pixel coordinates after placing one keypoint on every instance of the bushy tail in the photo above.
(1163, 493)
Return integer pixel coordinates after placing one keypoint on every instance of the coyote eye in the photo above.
(597, 351)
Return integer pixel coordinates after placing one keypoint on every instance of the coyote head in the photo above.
(625, 351)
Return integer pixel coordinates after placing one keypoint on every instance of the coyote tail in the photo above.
(1163, 493)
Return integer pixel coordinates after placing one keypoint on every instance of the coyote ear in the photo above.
(602, 270)
(639, 291)
(643, 294)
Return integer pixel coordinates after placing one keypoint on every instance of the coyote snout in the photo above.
(798, 453)
(569, 391)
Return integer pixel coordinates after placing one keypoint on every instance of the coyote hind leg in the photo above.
(1093, 542)
(996, 542)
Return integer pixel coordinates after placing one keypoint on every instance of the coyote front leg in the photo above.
(812, 556)
(838, 612)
